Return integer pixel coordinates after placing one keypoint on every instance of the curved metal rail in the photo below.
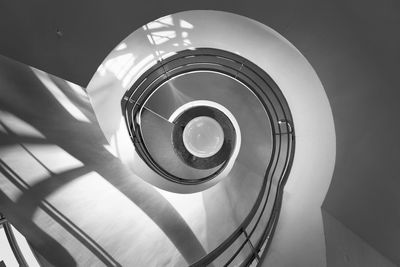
(12, 241)
(259, 225)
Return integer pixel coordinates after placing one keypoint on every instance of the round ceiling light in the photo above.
(203, 137)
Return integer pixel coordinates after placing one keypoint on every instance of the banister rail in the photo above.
(268, 201)
(12, 241)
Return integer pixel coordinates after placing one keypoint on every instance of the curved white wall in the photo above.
(299, 238)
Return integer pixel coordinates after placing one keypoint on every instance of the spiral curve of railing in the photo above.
(259, 225)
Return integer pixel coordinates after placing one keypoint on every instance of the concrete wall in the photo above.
(346, 249)
(352, 44)
(78, 205)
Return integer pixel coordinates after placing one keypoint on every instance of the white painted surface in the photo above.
(300, 223)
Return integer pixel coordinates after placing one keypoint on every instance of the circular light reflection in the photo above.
(203, 137)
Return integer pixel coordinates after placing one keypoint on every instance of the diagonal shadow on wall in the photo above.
(24, 96)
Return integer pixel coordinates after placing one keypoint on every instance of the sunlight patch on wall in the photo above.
(18, 126)
(114, 221)
(125, 68)
(184, 24)
(120, 65)
(166, 21)
(56, 159)
(33, 163)
(137, 70)
(60, 96)
(21, 166)
(161, 37)
(9, 188)
(121, 46)
(78, 90)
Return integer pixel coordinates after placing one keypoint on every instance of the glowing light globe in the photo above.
(203, 137)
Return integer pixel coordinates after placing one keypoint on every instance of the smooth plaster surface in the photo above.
(352, 45)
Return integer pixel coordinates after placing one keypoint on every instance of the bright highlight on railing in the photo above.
(152, 97)
(14, 249)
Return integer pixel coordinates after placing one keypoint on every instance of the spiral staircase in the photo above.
(107, 176)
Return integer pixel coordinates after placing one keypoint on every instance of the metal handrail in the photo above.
(12, 241)
(268, 231)
(283, 151)
(278, 112)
